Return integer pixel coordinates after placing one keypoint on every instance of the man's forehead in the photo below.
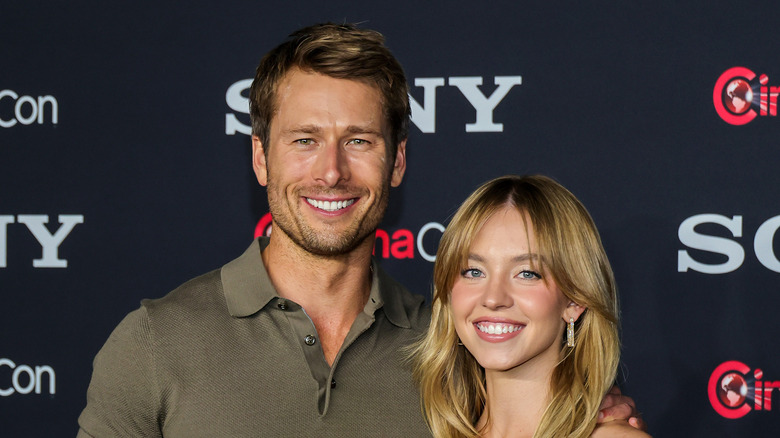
(297, 76)
(303, 92)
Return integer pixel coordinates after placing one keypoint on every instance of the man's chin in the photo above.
(330, 249)
(333, 247)
(325, 242)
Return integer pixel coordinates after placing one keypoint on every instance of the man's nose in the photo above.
(331, 166)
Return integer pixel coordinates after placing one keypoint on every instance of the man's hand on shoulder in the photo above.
(619, 407)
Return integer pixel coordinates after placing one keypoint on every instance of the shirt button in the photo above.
(309, 340)
(332, 384)
(282, 305)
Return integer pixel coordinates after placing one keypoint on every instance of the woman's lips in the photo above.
(497, 331)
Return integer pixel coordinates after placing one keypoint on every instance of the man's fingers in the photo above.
(619, 411)
(638, 423)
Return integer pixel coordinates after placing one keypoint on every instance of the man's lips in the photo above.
(330, 206)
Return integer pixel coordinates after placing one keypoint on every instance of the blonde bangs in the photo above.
(569, 251)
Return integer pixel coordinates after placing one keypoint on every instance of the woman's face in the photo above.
(506, 312)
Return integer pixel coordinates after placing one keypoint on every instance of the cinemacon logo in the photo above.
(734, 390)
(27, 110)
(399, 244)
(423, 116)
(25, 379)
(736, 96)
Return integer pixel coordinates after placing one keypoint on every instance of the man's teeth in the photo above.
(495, 329)
(330, 205)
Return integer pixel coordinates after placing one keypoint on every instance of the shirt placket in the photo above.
(306, 335)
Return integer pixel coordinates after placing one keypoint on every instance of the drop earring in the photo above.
(570, 333)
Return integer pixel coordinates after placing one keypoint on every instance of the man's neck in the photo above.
(332, 290)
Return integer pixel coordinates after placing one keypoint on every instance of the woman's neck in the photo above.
(515, 403)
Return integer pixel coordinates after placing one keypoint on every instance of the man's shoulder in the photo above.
(198, 294)
(208, 291)
(136, 368)
(194, 305)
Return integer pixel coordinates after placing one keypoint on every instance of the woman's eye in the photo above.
(471, 273)
(529, 275)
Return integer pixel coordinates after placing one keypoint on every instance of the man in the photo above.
(303, 335)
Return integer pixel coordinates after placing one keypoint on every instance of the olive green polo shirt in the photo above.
(224, 356)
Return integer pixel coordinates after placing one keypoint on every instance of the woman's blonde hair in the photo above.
(451, 381)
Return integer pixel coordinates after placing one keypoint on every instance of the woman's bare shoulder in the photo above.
(618, 429)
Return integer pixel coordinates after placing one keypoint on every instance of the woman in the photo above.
(524, 331)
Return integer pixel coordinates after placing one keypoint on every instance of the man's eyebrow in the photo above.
(357, 129)
(303, 129)
(315, 129)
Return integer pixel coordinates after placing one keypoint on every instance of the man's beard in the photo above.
(324, 241)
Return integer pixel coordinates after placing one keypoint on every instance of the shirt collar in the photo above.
(248, 288)
(246, 283)
(387, 293)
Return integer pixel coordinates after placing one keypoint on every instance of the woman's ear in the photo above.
(573, 310)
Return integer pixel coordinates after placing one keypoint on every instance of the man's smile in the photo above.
(330, 205)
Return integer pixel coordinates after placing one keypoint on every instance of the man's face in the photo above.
(327, 168)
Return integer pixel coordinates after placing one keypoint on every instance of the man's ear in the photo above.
(399, 166)
(573, 310)
(258, 161)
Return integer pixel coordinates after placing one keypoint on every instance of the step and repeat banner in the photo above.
(125, 171)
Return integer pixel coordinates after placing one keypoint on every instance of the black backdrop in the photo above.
(121, 149)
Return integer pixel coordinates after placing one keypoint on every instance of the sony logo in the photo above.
(732, 250)
(49, 242)
(423, 115)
